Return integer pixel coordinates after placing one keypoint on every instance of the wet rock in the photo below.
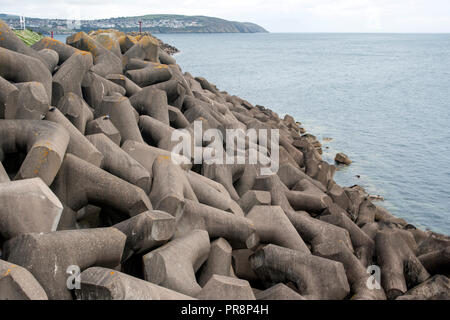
(342, 158)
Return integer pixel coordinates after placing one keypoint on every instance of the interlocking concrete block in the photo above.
(78, 145)
(177, 118)
(64, 51)
(273, 226)
(69, 76)
(364, 246)
(437, 262)
(130, 87)
(279, 291)
(165, 58)
(400, 268)
(174, 265)
(104, 125)
(105, 62)
(8, 95)
(18, 67)
(107, 284)
(17, 283)
(435, 288)
(315, 277)
(15, 216)
(49, 256)
(176, 93)
(226, 288)
(239, 231)
(44, 141)
(146, 49)
(355, 271)
(170, 187)
(211, 196)
(254, 198)
(218, 263)
(51, 58)
(32, 102)
(119, 111)
(80, 183)
(75, 109)
(3, 174)
(152, 102)
(120, 163)
(145, 231)
(150, 73)
(10, 41)
(312, 231)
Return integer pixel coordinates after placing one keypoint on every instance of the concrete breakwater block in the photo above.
(99, 283)
(17, 283)
(95, 205)
(15, 216)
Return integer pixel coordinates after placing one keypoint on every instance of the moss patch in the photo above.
(28, 37)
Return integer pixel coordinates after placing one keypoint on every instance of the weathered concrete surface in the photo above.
(49, 255)
(315, 277)
(64, 51)
(9, 40)
(15, 216)
(174, 265)
(70, 74)
(79, 183)
(279, 292)
(104, 125)
(400, 268)
(32, 102)
(119, 163)
(111, 103)
(226, 288)
(146, 230)
(105, 62)
(119, 111)
(17, 283)
(78, 145)
(44, 142)
(18, 67)
(107, 284)
(76, 110)
(8, 95)
(218, 263)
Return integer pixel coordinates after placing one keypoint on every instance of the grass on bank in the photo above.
(29, 37)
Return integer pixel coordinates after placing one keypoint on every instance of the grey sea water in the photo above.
(384, 99)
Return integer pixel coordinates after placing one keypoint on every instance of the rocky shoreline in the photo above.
(95, 206)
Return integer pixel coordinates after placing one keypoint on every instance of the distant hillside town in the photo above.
(150, 23)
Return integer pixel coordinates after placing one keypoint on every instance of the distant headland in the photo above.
(154, 23)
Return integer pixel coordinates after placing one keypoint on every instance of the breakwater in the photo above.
(90, 185)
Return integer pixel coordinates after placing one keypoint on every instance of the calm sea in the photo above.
(384, 99)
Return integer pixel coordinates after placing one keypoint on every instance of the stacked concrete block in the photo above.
(95, 205)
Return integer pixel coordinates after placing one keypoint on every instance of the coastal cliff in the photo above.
(89, 184)
(154, 23)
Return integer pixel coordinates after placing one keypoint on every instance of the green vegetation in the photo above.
(158, 23)
(28, 36)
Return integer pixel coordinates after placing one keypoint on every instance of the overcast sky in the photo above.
(274, 15)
